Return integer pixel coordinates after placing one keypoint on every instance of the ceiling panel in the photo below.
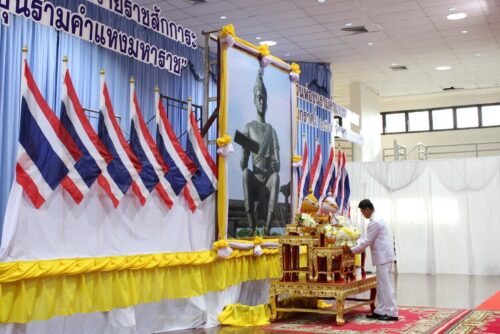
(414, 33)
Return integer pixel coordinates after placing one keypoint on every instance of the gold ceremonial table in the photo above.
(338, 290)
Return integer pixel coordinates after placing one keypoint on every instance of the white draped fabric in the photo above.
(94, 228)
(167, 315)
(441, 213)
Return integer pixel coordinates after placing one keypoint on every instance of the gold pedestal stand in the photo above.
(328, 273)
(339, 291)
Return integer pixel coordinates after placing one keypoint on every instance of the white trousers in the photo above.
(386, 298)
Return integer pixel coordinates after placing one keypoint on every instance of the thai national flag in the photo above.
(340, 182)
(337, 176)
(153, 166)
(125, 167)
(93, 164)
(181, 168)
(347, 194)
(316, 167)
(205, 177)
(304, 176)
(329, 176)
(46, 151)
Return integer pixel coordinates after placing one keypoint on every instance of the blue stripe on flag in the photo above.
(318, 184)
(39, 149)
(174, 175)
(200, 179)
(147, 174)
(116, 168)
(307, 184)
(86, 166)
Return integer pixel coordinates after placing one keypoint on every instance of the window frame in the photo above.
(431, 126)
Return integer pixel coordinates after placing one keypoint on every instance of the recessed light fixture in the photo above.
(258, 38)
(456, 16)
(287, 54)
(348, 24)
(223, 17)
(321, 1)
(371, 43)
(465, 31)
(451, 9)
(268, 43)
(394, 64)
(443, 68)
(477, 54)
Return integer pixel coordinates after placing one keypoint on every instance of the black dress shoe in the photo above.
(388, 318)
(375, 316)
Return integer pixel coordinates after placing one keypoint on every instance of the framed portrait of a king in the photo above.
(259, 119)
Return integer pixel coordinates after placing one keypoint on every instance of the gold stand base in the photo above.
(339, 291)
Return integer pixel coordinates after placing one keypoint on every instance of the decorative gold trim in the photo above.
(339, 291)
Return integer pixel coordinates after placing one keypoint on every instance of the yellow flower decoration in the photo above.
(264, 50)
(258, 241)
(220, 244)
(224, 140)
(295, 68)
(349, 232)
(227, 30)
(296, 158)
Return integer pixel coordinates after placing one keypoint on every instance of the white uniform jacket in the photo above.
(377, 237)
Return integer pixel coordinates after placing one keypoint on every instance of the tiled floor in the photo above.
(453, 291)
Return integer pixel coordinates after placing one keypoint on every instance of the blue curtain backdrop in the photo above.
(316, 77)
(46, 50)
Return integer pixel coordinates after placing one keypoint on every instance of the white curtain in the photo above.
(441, 213)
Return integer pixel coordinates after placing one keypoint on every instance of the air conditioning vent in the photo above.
(397, 68)
(196, 2)
(451, 88)
(356, 30)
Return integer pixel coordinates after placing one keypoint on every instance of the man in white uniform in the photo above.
(377, 237)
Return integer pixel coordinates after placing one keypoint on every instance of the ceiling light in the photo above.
(223, 17)
(371, 43)
(465, 31)
(394, 64)
(456, 16)
(348, 24)
(268, 43)
(451, 9)
(287, 54)
(477, 54)
(443, 68)
(258, 38)
(321, 0)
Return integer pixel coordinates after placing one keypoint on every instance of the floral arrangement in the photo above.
(341, 233)
(339, 220)
(307, 220)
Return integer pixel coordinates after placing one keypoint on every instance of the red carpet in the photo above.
(411, 320)
(491, 304)
(477, 322)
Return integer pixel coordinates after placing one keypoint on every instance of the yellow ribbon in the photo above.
(227, 30)
(258, 241)
(295, 68)
(224, 140)
(296, 158)
(220, 244)
(264, 50)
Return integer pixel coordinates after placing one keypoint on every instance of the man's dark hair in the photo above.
(366, 204)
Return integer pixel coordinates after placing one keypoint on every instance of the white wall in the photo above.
(365, 102)
(480, 96)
